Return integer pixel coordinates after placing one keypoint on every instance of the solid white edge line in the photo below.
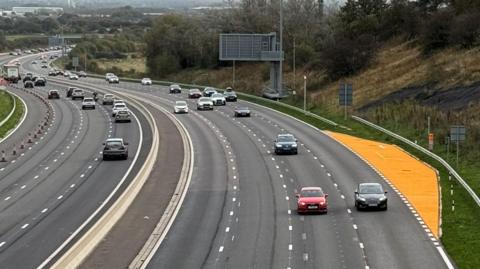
(11, 132)
(182, 197)
(104, 203)
(445, 258)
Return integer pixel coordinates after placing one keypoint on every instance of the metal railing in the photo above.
(166, 83)
(427, 152)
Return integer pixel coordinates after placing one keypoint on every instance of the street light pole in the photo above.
(305, 94)
(281, 49)
(294, 66)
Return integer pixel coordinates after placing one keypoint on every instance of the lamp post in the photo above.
(305, 94)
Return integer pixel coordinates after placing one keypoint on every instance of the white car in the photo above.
(146, 81)
(77, 93)
(113, 79)
(109, 75)
(180, 107)
(218, 99)
(118, 107)
(73, 76)
(88, 103)
(118, 101)
(205, 103)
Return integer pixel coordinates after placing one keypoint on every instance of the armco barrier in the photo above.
(11, 112)
(167, 83)
(403, 139)
(427, 152)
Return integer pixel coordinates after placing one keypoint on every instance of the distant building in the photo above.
(21, 11)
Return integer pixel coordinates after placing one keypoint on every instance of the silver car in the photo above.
(123, 116)
(107, 99)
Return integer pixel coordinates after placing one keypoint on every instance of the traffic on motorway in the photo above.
(243, 153)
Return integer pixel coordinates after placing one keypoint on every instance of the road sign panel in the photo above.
(75, 61)
(457, 133)
(249, 47)
(345, 95)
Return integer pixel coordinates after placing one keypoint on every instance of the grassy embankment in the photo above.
(6, 104)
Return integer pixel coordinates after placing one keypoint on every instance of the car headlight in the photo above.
(278, 145)
(322, 203)
(361, 199)
(294, 145)
(302, 203)
(383, 198)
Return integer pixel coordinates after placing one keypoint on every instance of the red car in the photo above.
(312, 199)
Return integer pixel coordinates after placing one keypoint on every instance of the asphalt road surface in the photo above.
(239, 211)
(60, 180)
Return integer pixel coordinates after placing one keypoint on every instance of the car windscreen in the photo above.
(370, 189)
(88, 100)
(311, 193)
(204, 99)
(119, 106)
(217, 95)
(286, 138)
(242, 108)
(181, 103)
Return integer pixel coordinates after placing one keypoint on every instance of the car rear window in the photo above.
(312, 193)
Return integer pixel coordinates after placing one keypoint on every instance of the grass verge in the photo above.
(13, 121)
(460, 227)
(6, 104)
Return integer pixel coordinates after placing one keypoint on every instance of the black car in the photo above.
(286, 143)
(27, 77)
(28, 84)
(370, 195)
(174, 88)
(52, 73)
(115, 148)
(242, 112)
(230, 96)
(40, 81)
(53, 94)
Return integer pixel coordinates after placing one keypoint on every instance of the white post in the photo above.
(305, 94)
(233, 77)
(346, 100)
(294, 67)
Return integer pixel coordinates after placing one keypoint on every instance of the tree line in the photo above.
(341, 40)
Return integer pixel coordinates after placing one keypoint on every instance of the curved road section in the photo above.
(59, 179)
(239, 211)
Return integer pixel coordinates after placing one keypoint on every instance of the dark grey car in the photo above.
(230, 96)
(115, 148)
(242, 112)
(370, 195)
(286, 143)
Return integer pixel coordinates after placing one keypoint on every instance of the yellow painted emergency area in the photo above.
(414, 179)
